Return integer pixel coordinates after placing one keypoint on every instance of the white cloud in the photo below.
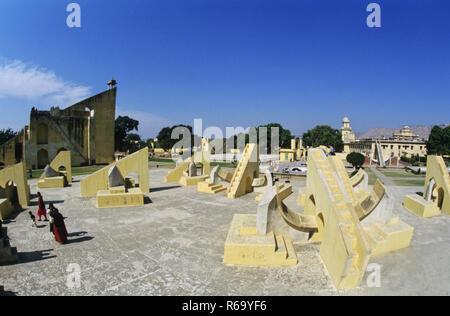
(26, 81)
(149, 124)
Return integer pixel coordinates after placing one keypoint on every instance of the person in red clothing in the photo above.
(59, 227)
(41, 210)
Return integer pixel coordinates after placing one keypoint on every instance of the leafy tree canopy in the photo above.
(324, 135)
(133, 143)
(356, 159)
(124, 125)
(284, 140)
(165, 140)
(439, 141)
(6, 134)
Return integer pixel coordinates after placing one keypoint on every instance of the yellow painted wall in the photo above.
(287, 155)
(437, 170)
(134, 163)
(18, 175)
(52, 183)
(102, 126)
(62, 160)
(175, 174)
(8, 155)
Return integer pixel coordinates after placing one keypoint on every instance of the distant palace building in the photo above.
(404, 143)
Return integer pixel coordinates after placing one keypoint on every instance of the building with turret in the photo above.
(401, 144)
(346, 131)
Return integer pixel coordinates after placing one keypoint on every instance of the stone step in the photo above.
(345, 215)
(335, 188)
(218, 190)
(281, 251)
(342, 206)
(292, 255)
(348, 225)
(351, 238)
(249, 226)
(378, 229)
(374, 237)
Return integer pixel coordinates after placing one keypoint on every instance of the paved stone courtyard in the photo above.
(174, 246)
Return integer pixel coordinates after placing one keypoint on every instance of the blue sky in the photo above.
(231, 62)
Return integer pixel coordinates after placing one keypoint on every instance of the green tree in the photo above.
(124, 125)
(165, 140)
(284, 140)
(6, 134)
(356, 159)
(324, 135)
(149, 142)
(439, 141)
(133, 143)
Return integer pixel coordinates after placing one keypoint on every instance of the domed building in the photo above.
(405, 134)
(402, 144)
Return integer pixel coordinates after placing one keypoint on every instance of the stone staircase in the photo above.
(246, 170)
(236, 180)
(245, 247)
(343, 176)
(175, 174)
(388, 237)
(8, 254)
(348, 227)
(211, 188)
(285, 250)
